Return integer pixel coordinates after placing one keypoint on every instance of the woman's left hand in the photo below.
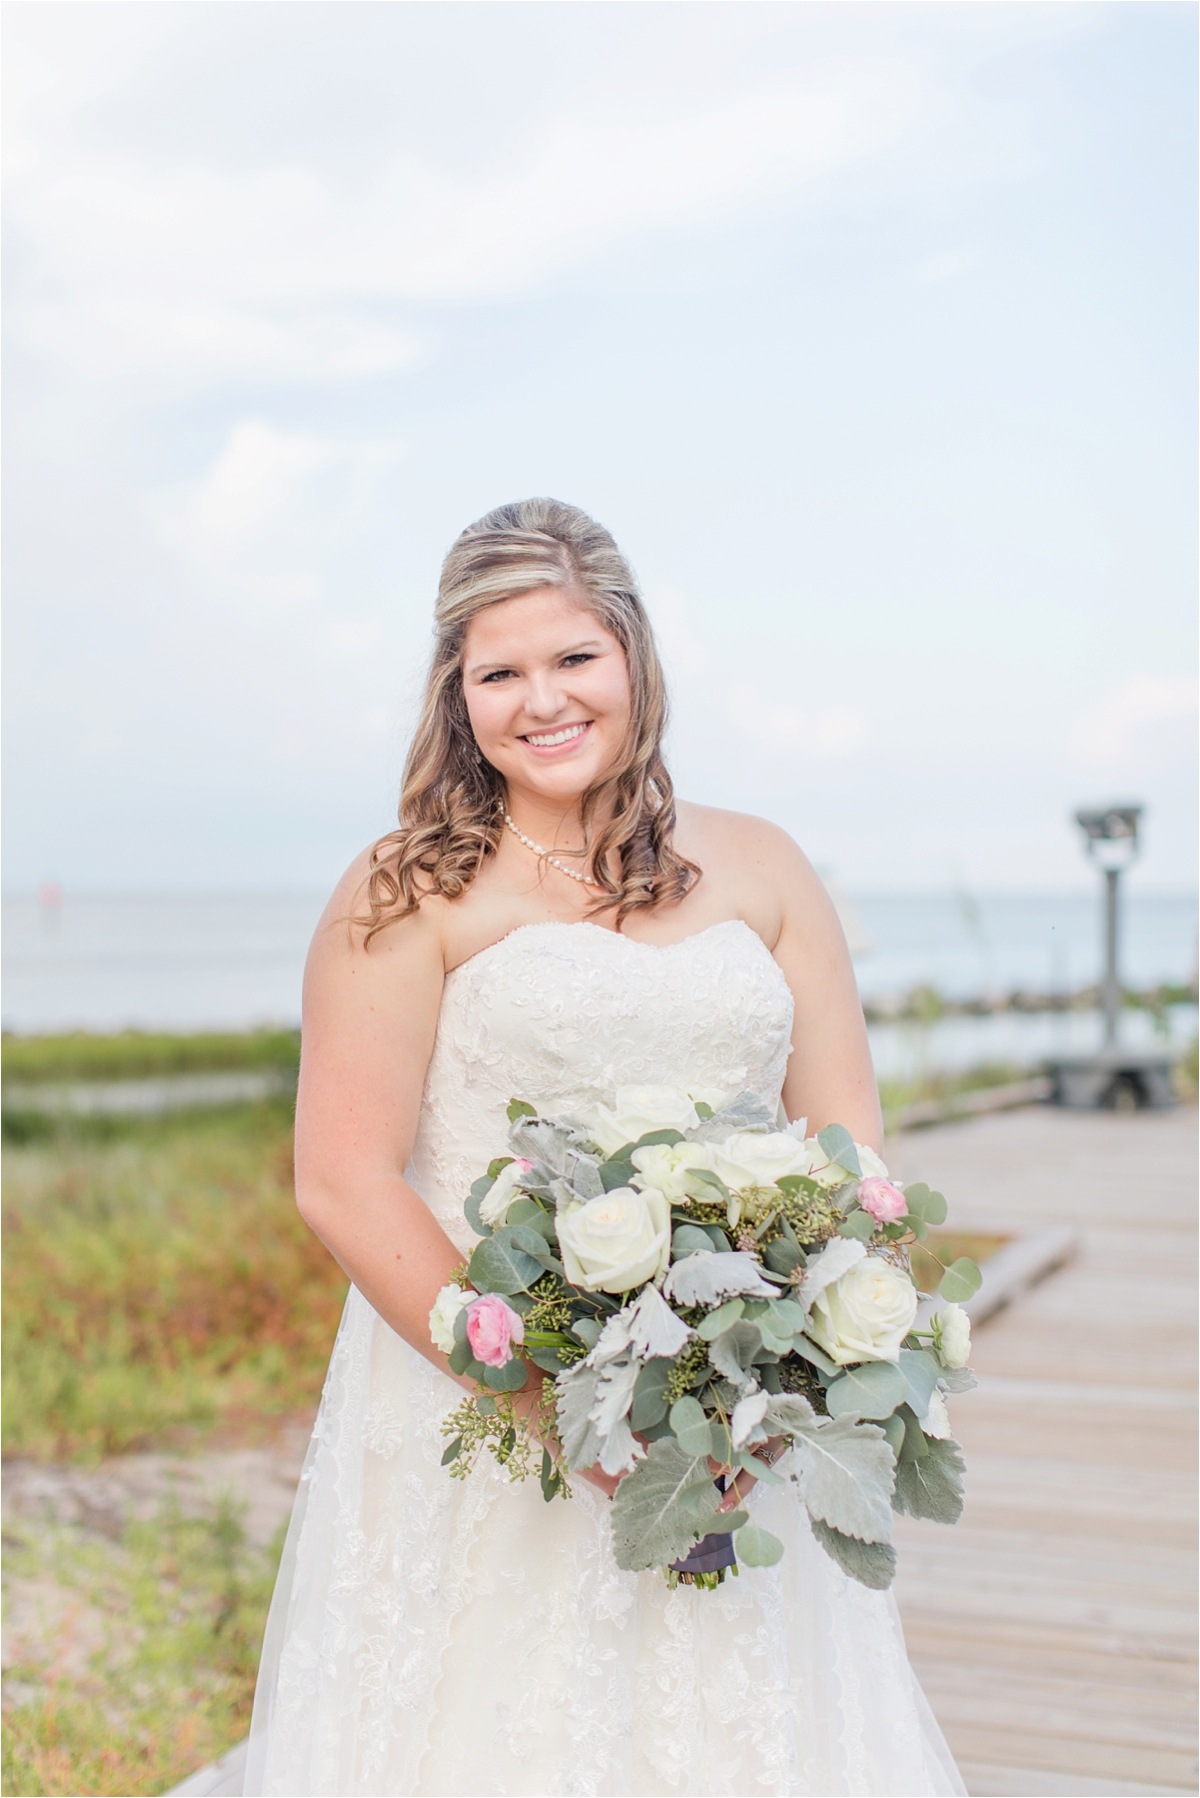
(739, 1487)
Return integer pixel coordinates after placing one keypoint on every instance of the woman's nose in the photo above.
(543, 695)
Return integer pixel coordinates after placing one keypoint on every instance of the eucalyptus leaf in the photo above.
(459, 1325)
(452, 1451)
(922, 1370)
(733, 1520)
(650, 1526)
(782, 1256)
(838, 1144)
(961, 1280)
(893, 1429)
(808, 1351)
(525, 1211)
(872, 1390)
(720, 1319)
(870, 1563)
(758, 1547)
(485, 1406)
(929, 1206)
(517, 1108)
(917, 1225)
(509, 1378)
(532, 1243)
(933, 1485)
(479, 1191)
(650, 1394)
(858, 1227)
(689, 1239)
(498, 1264)
(690, 1426)
(460, 1357)
(916, 1444)
(587, 1329)
(614, 1174)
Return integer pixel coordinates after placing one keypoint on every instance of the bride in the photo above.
(547, 923)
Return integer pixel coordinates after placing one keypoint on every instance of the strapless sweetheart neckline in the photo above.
(632, 941)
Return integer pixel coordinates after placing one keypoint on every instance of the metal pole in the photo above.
(1112, 994)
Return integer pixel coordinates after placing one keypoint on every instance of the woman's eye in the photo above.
(574, 661)
(497, 674)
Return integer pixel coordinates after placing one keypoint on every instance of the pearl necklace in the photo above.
(571, 873)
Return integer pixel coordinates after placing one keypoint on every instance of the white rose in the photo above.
(865, 1315)
(668, 1167)
(494, 1205)
(871, 1165)
(446, 1307)
(954, 1343)
(637, 1111)
(747, 1158)
(616, 1242)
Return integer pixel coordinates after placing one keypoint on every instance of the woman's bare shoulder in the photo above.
(760, 872)
(739, 833)
(342, 932)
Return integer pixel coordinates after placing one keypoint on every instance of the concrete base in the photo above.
(1114, 1079)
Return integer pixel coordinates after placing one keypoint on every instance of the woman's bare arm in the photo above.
(370, 1016)
(755, 870)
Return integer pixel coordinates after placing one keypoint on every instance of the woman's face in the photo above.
(547, 692)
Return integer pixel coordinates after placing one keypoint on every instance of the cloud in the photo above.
(264, 476)
(825, 735)
(1148, 724)
(150, 265)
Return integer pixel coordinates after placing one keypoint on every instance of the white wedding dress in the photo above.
(437, 1636)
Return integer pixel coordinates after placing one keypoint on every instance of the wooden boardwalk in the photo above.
(1054, 1629)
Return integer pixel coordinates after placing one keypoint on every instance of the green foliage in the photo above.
(870, 1563)
(651, 1523)
(838, 1144)
(858, 1227)
(845, 1472)
(183, 1601)
(139, 1055)
(758, 1547)
(931, 1485)
(872, 1390)
(501, 1263)
(961, 1280)
(160, 1282)
(690, 1426)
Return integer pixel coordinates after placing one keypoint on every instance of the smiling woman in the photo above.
(545, 683)
(548, 923)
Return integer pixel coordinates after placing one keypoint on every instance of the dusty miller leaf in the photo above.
(706, 1279)
(846, 1472)
(575, 1397)
(870, 1563)
(651, 1526)
(933, 1485)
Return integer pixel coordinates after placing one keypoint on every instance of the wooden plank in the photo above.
(1078, 1755)
(984, 1780)
(1053, 1629)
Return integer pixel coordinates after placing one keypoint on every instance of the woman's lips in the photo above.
(557, 742)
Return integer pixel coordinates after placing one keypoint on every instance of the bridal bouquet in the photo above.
(704, 1291)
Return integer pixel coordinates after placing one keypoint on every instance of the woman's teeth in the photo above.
(560, 736)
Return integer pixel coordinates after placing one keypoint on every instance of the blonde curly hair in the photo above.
(452, 800)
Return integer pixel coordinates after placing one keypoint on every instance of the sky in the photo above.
(868, 330)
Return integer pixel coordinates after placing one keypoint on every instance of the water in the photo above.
(189, 963)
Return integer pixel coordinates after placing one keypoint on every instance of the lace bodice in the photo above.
(562, 1014)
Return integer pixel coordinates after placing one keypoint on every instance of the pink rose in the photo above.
(491, 1327)
(884, 1201)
